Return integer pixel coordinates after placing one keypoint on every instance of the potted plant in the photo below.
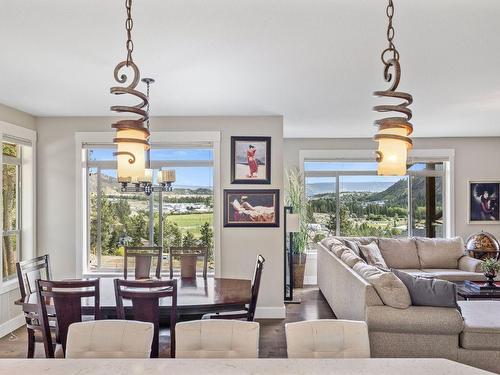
(490, 267)
(296, 199)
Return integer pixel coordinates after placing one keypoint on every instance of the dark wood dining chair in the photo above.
(249, 312)
(143, 257)
(28, 271)
(66, 299)
(188, 255)
(145, 296)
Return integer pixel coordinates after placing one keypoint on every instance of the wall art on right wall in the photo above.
(483, 202)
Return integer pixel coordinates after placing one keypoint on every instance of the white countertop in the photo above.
(232, 367)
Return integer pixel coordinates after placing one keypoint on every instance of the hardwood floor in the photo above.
(272, 332)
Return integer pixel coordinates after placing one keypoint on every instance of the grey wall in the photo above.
(15, 117)
(239, 246)
(7, 309)
(475, 158)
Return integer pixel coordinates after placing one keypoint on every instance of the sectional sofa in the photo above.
(471, 336)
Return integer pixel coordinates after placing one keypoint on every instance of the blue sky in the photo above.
(201, 176)
(194, 177)
(351, 166)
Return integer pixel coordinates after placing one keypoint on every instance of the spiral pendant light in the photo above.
(393, 135)
(132, 135)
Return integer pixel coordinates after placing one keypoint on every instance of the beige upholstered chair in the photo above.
(327, 339)
(217, 338)
(109, 339)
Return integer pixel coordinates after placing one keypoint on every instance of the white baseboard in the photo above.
(270, 312)
(12, 325)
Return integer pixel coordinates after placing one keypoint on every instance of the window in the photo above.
(11, 164)
(116, 219)
(17, 199)
(348, 198)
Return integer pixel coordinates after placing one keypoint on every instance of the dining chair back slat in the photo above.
(145, 298)
(180, 252)
(143, 257)
(28, 271)
(66, 298)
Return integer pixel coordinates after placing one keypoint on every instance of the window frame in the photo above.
(172, 139)
(25, 163)
(364, 156)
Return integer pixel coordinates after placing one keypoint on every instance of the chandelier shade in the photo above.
(392, 153)
(130, 155)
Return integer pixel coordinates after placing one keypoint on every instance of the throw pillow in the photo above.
(349, 258)
(338, 250)
(329, 242)
(389, 287)
(352, 245)
(429, 292)
(372, 254)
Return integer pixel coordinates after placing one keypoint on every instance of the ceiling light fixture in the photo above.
(393, 135)
(132, 135)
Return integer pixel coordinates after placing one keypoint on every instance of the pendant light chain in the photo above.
(129, 24)
(390, 31)
(390, 53)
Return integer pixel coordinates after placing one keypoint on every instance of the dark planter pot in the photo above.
(299, 266)
(491, 280)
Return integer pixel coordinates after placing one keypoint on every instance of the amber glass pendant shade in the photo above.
(392, 153)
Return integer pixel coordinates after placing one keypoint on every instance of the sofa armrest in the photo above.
(415, 319)
(469, 264)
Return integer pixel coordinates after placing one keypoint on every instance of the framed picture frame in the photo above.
(483, 202)
(250, 160)
(252, 208)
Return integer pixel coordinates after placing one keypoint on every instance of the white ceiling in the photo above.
(316, 62)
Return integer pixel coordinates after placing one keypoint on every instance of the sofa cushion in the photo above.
(454, 275)
(439, 252)
(349, 258)
(481, 325)
(429, 292)
(415, 319)
(399, 252)
(372, 255)
(391, 290)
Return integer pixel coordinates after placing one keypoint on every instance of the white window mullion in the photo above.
(337, 205)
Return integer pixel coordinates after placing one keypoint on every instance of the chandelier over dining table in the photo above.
(132, 134)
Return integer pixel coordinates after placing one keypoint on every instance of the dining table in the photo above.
(122, 366)
(195, 296)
